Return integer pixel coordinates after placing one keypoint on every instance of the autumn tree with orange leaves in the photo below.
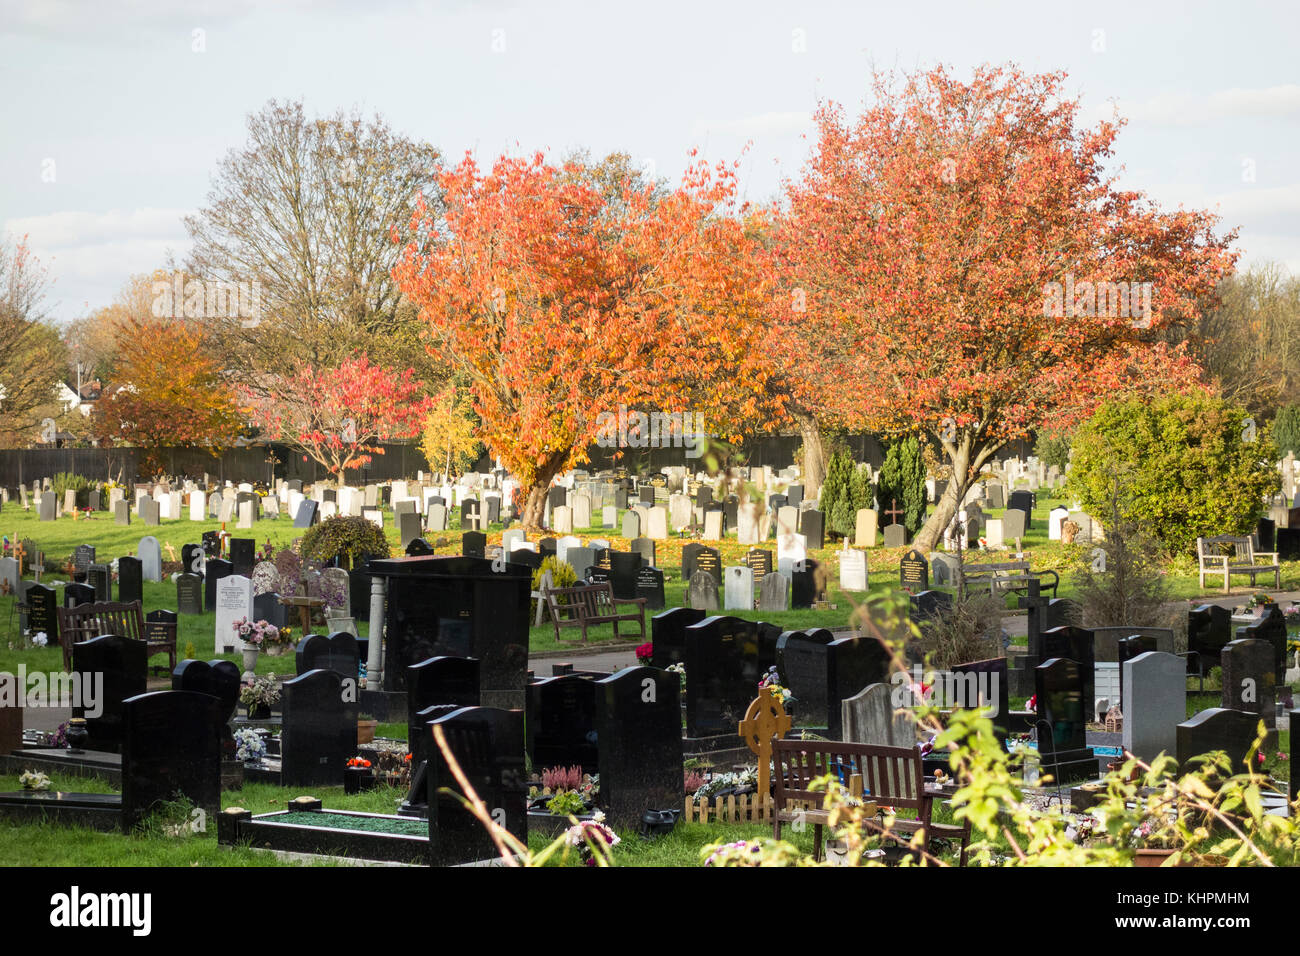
(339, 416)
(948, 248)
(172, 392)
(560, 294)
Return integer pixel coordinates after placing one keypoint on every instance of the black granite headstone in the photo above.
(668, 634)
(561, 723)
(914, 571)
(638, 727)
(243, 552)
(306, 516)
(459, 607)
(488, 745)
(812, 525)
(851, 664)
(130, 579)
(171, 746)
(115, 667)
(42, 612)
(100, 577)
(437, 681)
(318, 737)
(217, 569)
(473, 544)
(1232, 731)
(74, 594)
(801, 665)
(725, 659)
(1271, 628)
(650, 585)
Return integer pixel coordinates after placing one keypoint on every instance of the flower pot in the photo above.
(259, 711)
(76, 735)
(275, 650)
(356, 779)
(250, 662)
(366, 731)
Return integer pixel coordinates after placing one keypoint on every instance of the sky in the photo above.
(116, 113)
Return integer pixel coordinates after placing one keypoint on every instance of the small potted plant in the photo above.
(366, 725)
(358, 775)
(276, 641)
(252, 636)
(645, 654)
(258, 695)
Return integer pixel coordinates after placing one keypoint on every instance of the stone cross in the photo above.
(894, 511)
(764, 719)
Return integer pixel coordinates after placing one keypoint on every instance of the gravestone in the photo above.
(864, 532)
(631, 527)
(774, 592)
(561, 723)
(100, 578)
(853, 570)
(869, 717)
(914, 571)
(851, 664)
(1023, 501)
(738, 593)
(713, 525)
(265, 578)
(150, 555)
(130, 579)
(638, 729)
(42, 614)
(116, 667)
(650, 585)
(1014, 523)
(657, 527)
(1270, 628)
(189, 594)
(215, 570)
(643, 548)
(812, 525)
(470, 517)
(267, 607)
(488, 744)
(668, 634)
(438, 681)
(807, 584)
(1249, 680)
(460, 607)
(48, 507)
(437, 516)
(149, 512)
(233, 602)
(702, 591)
(1064, 701)
(75, 594)
(1156, 703)
(171, 747)
(759, 562)
(725, 659)
(243, 552)
(408, 525)
(895, 536)
(801, 663)
(83, 556)
(1054, 519)
(318, 733)
(473, 544)
(1232, 731)
(306, 515)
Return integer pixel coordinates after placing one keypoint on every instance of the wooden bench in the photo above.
(590, 604)
(891, 777)
(87, 621)
(1007, 576)
(1212, 557)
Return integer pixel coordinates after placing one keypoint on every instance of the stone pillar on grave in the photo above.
(374, 658)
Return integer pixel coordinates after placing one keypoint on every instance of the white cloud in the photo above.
(90, 255)
(763, 124)
(1178, 109)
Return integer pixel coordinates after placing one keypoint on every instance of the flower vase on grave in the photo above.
(250, 663)
(76, 735)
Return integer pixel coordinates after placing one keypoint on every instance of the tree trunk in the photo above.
(814, 453)
(535, 507)
(966, 457)
(949, 503)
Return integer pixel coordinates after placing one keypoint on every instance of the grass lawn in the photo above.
(58, 538)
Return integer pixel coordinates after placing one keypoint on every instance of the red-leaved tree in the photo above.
(562, 295)
(970, 271)
(339, 416)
